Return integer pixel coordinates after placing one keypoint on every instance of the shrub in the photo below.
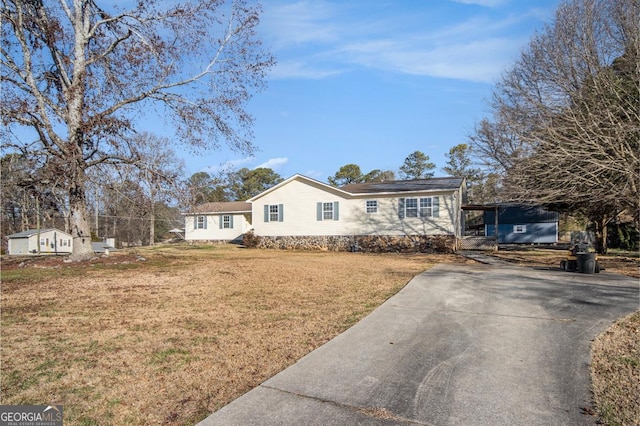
(250, 240)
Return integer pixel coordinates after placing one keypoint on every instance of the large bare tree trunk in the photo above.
(80, 230)
(600, 228)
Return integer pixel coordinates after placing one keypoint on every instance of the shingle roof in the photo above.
(30, 232)
(223, 207)
(432, 184)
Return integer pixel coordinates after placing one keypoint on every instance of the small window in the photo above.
(274, 213)
(226, 221)
(519, 229)
(425, 207)
(201, 222)
(42, 242)
(327, 211)
(372, 206)
(411, 207)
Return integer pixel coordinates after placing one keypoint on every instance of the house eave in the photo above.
(303, 178)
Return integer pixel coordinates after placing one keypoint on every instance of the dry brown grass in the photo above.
(615, 372)
(173, 338)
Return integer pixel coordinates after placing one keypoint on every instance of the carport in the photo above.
(479, 242)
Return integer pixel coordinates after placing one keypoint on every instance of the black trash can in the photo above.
(586, 263)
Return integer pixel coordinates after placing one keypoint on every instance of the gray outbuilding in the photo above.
(522, 224)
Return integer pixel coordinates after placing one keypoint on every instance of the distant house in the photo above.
(40, 242)
(218, 221)
(523, 224)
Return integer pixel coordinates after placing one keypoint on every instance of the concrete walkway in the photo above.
(459, 345)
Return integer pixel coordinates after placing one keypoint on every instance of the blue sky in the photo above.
(370, 82)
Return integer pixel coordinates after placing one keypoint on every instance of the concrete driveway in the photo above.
(459, 345)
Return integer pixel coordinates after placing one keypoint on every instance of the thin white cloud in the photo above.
(302, 70)
(319, 39)
(273, 163)
(300, 22)
(480, 61)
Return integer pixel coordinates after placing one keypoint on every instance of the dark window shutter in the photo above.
(336, 210)
(319, 211)
(401, 208)
(195, 222)
(266, 212)
(231, 221)
(436, 206)
(204, 219)
(220, 220)
(280, 213)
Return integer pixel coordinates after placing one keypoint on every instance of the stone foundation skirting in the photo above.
(364, 243)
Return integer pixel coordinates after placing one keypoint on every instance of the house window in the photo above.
(226, 222)
(274, 213)
(419, 207)
(327, 211)
(42, 243)
(425, 207)
(519, 229)
(411, 207)
(372, 206)
(201, 222)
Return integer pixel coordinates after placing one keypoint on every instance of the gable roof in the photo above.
(395, 186)
(432, 184)
(30, 232)
(302, 178)
(222, 207)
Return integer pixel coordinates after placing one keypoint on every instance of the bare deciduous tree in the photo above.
(80, 76)
(570, 108)
(159, 172)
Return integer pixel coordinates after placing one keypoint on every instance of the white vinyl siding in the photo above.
(305, 212)
(216, 227)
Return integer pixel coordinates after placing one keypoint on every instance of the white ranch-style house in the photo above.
(301, 212)
(218, 221)
(40, 242)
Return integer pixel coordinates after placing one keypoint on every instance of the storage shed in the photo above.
(40, 242)
(523, 224)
